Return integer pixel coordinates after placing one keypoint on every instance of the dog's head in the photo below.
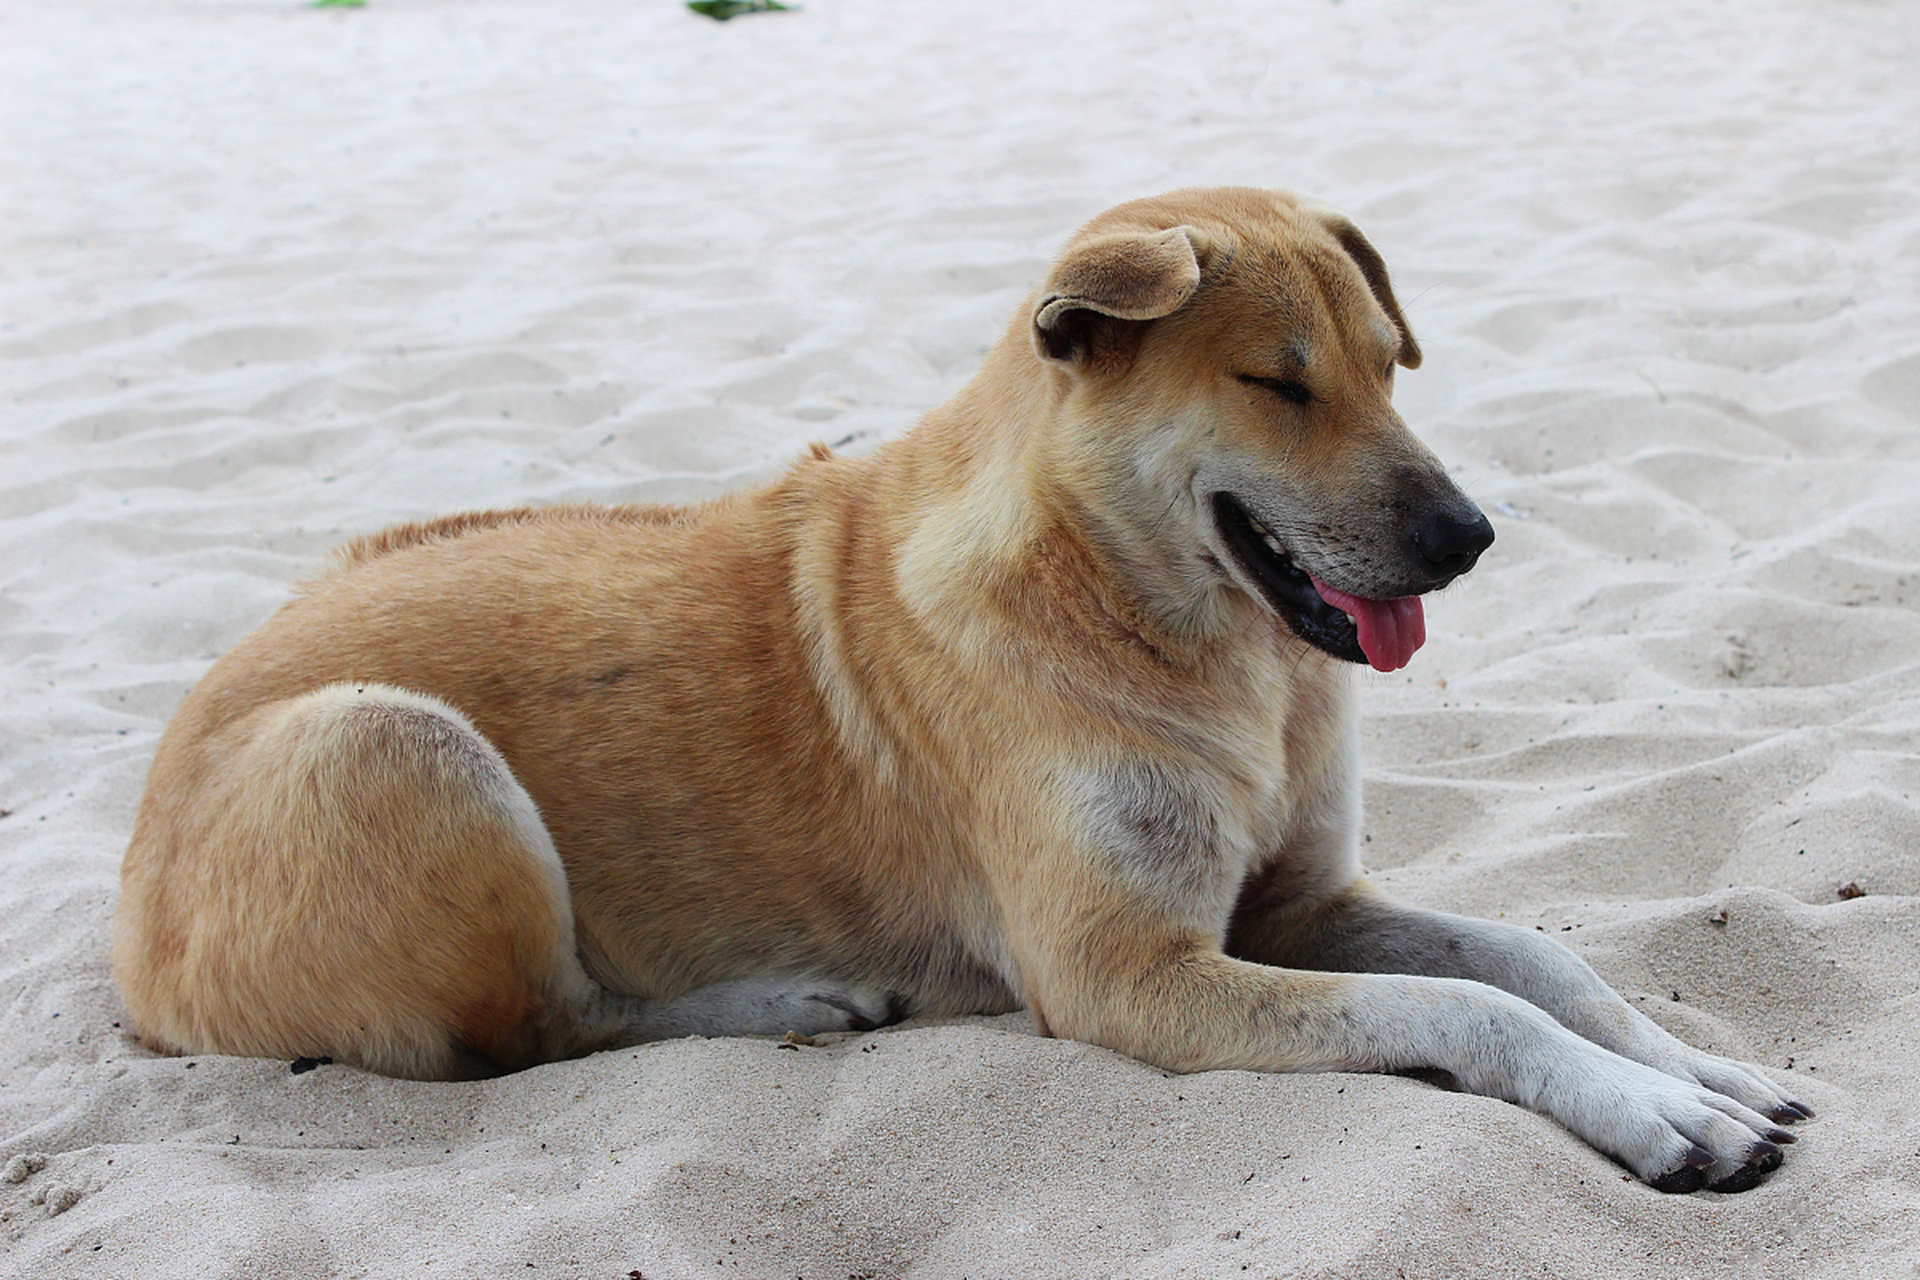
(1226, 358)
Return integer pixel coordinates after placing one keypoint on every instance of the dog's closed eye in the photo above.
(1289, 389)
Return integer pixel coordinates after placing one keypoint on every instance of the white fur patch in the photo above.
(1164, 833)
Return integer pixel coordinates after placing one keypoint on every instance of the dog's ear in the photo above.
(1374, 268)
(1125, 277)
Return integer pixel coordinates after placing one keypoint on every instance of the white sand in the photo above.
(274, 277)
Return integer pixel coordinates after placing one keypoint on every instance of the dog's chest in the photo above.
(1183, 836)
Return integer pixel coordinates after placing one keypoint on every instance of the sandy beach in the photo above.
(276, 276)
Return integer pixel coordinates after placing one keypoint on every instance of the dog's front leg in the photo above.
(1121, 974)
(1129, 981)
(1361, 930)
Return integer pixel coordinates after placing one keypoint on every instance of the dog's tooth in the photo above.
(1265, 535)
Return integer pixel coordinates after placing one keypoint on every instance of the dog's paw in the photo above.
(1676, 1134)
(1698, 1172)
(851, 1008)
(813, 1006)
(1737, 1080)
(778, 1003)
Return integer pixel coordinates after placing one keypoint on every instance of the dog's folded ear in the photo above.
(1374, 268)
(1127, 276)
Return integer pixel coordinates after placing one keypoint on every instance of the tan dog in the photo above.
(1046, 703)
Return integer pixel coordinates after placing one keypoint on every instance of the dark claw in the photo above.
(1688, 1177)
(1782, 1137)
(1763, 1157)
(1790, 1113)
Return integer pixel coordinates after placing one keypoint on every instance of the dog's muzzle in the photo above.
(1385, 633)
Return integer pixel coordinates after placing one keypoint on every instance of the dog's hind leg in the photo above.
(356, 874)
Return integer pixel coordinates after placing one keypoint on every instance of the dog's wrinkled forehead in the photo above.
(1295, 268)
(1307, 333)
(1301, 256)
(1324, 284)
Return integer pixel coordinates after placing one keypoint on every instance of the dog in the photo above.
(1046, 703)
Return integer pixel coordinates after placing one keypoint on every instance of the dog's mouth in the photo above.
(1383, 633)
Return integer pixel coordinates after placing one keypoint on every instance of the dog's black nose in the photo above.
(1451, 539)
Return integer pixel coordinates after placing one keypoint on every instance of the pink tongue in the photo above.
(1390, 630)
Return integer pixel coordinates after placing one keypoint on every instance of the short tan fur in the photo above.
(1041, 704)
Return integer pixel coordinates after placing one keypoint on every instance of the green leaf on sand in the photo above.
(721, 10)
